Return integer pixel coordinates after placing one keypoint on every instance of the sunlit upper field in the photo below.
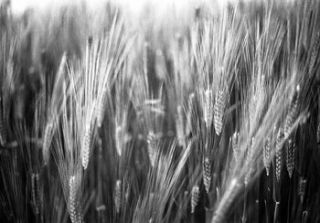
(136, 6)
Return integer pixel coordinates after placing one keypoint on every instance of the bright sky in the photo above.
(19, 6)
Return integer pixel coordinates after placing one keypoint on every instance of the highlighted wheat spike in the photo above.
(235, 146)
(180, 127)
(291, 150)
(293, 113)
(48, 133)
(207, 105)
(195, 196)
(219, 106)
(302, 188)
(267, 155)
(75, 214)
(249, 160)
(85, 150)
(152, 147)
(279, 154)
(118, 139)
(189, 114)
(206, 172)
(35, 192)
(117, 196)
(226, 201)
(100, 111)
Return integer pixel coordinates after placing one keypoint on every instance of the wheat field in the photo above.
(163, 116)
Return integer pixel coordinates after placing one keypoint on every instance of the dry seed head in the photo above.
(291, 150)
(206, 172)
(180, 127)
(152, 147)
(292, 115)
(279, 154)
(219, 106)
(267, 155)
(249, 161)
(207, 105)
(189, 114)
(117, 196)
(85, 150)
(118, 139)
(100, 111)
(235, 145)
(46, 142)
(195, 196)
(75, 214)
(226, 201)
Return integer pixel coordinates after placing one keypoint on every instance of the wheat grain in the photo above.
(46, 142)
(292, 115)
(302, 188)
(226, 201)
(206, 172)
(86, 143)
(180, 127)
(117, 196)
(291, 149)
(267, 155)
(75, 214)
(35, 192)
(118, 138)
(235, 146)
(189, 114)
(195, 196)
(152, 147)
(249, 161)
(279, 154)
(219, 106)
(100, 110)
(207, 105)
